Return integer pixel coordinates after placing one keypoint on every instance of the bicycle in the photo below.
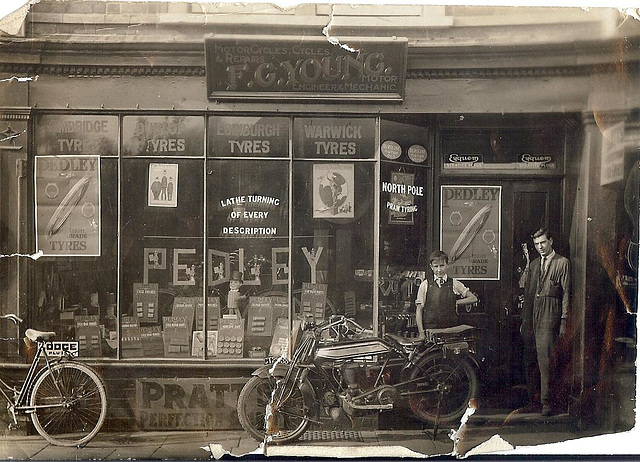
(67, 400)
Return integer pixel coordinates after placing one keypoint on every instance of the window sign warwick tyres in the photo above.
(294, 67)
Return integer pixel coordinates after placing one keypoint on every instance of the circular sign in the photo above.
(417, 153)
(391, 150)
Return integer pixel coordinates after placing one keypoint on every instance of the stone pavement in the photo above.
(517, 430)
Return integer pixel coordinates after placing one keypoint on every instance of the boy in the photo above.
(440, 298)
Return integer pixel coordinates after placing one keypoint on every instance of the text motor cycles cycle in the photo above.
(335, 372)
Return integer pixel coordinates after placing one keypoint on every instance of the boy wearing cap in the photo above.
(436, 301)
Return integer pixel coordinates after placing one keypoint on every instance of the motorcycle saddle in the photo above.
(450, 334)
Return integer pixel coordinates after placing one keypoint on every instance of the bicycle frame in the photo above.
(19, 404)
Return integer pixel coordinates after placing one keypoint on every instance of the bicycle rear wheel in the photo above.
(70, 404)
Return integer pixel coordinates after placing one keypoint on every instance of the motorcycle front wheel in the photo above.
(446, 389)
(267, 421)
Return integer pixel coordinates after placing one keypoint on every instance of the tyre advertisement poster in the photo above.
(67, 205)
(470, 230)
(333, 191)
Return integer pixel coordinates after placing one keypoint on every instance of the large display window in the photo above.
(161, 254)
(75, 286)
(248, 252)
(206, 238)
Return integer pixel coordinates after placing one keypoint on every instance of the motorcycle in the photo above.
(338, 371)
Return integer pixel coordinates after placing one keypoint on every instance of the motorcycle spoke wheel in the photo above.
(285, 421)
(70, 404)
(446, 383)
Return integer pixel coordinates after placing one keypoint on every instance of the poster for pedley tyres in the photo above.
(67, 205)
(470, 230)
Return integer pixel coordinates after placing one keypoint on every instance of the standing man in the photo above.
(437, 301)
(545, 313)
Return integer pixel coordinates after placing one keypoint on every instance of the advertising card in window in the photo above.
(68, 205)
(333, 191)
(163, 185)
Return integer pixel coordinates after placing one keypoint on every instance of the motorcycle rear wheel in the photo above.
(287, 421)
(455, 378)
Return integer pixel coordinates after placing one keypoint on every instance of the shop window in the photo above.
(404, 223)
(333, 243)
(162, 268)
(248, 239)
(75, 286)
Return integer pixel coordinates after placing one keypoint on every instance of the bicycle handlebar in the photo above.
(13, 317)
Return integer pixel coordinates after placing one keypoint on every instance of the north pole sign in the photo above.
(282, 67)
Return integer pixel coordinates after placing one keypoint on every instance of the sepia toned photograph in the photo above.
(400, 230)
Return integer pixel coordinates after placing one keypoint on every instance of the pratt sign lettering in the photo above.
(286, 67)
(183, 404)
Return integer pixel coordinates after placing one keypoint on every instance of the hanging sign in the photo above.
(67, 205)
(401, 197)
(470, 230)
(309, 68)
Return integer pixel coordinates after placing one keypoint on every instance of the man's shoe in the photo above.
(546, 410)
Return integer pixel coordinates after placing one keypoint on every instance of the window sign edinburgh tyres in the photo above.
(67, 205)
(470, 230)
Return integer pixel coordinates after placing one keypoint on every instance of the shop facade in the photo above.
(143, 175)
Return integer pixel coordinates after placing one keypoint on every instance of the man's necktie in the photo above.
(440, 281)
(543, 267)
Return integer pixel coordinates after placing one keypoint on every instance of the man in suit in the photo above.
(545, 313)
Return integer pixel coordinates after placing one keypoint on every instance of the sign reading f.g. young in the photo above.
(294, 67)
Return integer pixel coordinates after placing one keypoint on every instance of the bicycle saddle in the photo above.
(38, 336)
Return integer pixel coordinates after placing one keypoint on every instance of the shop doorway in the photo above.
(526, 205)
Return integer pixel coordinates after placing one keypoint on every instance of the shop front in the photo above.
(182, 227)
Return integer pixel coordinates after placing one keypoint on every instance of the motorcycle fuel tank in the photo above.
(354, 349)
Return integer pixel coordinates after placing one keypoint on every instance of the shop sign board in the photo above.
(612, 161)
(470, 225)
(185, 404)
(478, 162)
(175, 135)
(248, 136)
(334, 138)
(77, 135)
(67, 205)
(309, 68)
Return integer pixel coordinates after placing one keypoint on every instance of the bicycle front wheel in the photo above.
(69, 404)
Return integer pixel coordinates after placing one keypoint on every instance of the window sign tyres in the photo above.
(470, 221)
(248, 136)
(175, 135)
(334, 138)
(67, 205)
(77, 135)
